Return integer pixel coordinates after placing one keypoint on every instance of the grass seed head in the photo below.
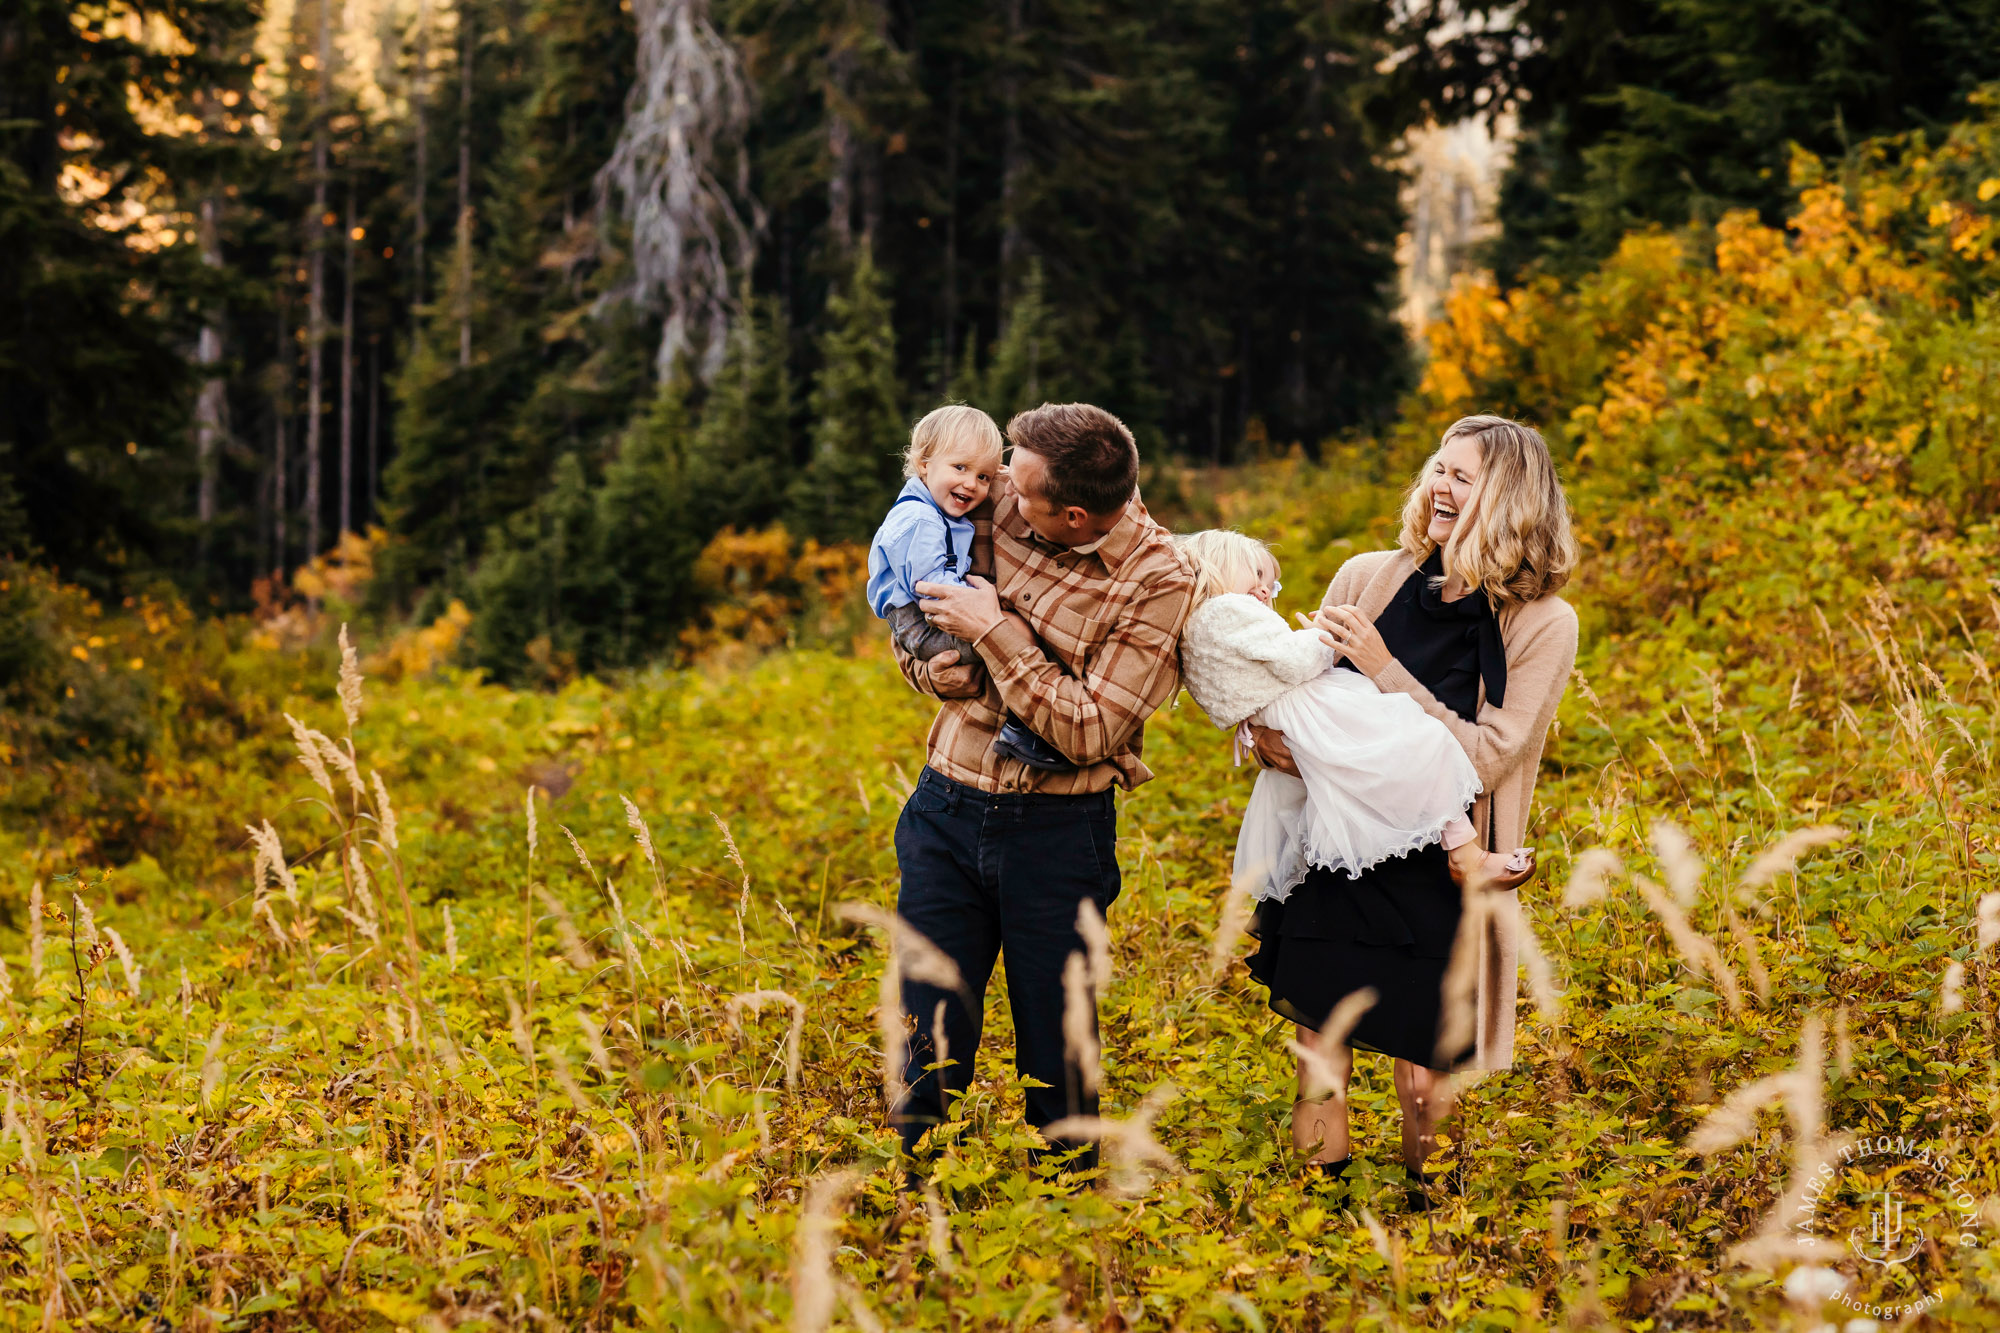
(1128, 1144)
(350, 681)
(1782, 855)
(574, 948)
(938, 1235)
(1079, 1023)
(1234, 918)
(1541, 973)
(1321, 1076)
(530, 803)
(582, 857)
(309, 755)
(593, 1039)
(729, 845)
(1090, 925)
(450, 940)
(1951, 992)
(1697, 950)
(814, 1294)
(125, 960)
(1679, 860)
(1989, 920)
(1458, 1026)
(86, 924)
(1590, 878)
(385, 813)
(911, 955)
(643, 835)
(271, 865)
(752, 1001)
(212, 1069)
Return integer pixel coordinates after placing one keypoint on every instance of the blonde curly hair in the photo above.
(1514, 541)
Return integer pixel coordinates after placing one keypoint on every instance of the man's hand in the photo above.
(950, 679)
(966, 612)
(1272, 752)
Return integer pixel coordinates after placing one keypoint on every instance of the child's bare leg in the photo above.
(1425, 1095)
(1320, 1126)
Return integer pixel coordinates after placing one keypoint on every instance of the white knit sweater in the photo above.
(1237, 655)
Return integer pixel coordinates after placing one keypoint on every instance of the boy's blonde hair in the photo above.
(950, 428)
(1515, 544)
(1220, 556)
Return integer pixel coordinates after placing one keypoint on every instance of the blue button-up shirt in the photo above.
(909, 548)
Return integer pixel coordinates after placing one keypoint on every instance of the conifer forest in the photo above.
(450, 774)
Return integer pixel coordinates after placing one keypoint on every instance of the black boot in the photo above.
(1017, 742)
(1425, 1187)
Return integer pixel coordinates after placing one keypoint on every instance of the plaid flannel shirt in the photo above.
(1090, 650)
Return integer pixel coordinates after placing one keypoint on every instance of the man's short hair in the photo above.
(1092, 459)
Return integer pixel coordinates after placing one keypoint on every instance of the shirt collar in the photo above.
(1112, 548)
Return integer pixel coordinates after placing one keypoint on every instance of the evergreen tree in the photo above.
(652, 527)
(1028, 364)
(476, 441)
(542, 593)
(1636, 112)
(742, 456)
(97, 301)
(858, 430)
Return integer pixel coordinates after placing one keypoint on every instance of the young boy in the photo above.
(952, 461)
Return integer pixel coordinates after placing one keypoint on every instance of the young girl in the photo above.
(1380, 777)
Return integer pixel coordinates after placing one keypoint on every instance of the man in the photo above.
(1078, 634)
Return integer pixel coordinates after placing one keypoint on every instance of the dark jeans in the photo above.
(984, 872)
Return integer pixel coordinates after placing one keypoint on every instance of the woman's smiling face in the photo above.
(1453, 475)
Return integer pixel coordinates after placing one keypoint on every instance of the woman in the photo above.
(1463, 618)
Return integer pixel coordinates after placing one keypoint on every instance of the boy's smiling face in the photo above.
(958, 479)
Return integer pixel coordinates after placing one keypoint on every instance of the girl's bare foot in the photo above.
(1470, 866)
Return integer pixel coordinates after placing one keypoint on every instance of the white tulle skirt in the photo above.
(1380, 777)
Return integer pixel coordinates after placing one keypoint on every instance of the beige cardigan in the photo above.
(1504, 744)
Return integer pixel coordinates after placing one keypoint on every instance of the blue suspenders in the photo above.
(950, 554)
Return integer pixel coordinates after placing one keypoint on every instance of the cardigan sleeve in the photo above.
(1538, 670)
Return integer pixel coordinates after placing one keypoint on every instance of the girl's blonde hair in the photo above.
(1514, 542)
(1221, 556)
(948, 429)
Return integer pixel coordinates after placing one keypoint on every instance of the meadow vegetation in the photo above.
(448, 1004)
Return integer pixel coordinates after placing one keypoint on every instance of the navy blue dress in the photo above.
(1393, 926)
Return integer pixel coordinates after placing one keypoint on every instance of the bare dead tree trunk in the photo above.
(465, 190)
(374, 422)
(871, 151)
(316, 296)
(951, 230)
(840, 153)
(682, 139)
(1010, 151)
(420, 92)
(211, 404)
(347, 373)
(285, 365)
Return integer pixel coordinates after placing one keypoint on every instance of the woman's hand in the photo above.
(1271, 750)
(1354, 637)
